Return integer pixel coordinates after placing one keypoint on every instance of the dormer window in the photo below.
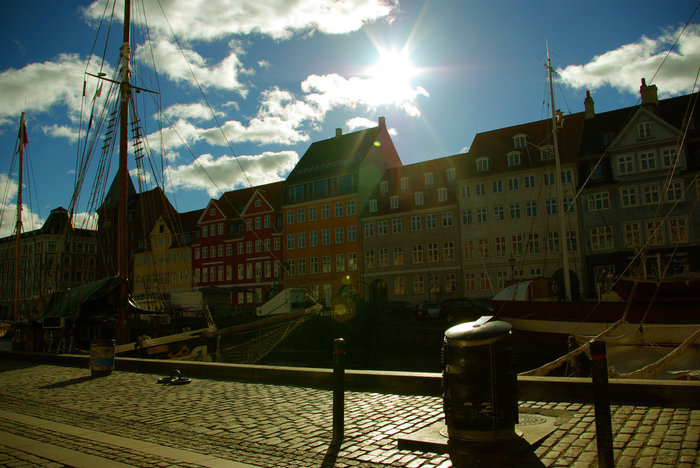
(513, 159)
(546, 153)
(520, 141)
(483, 164)
(644, 130)
(384, 186)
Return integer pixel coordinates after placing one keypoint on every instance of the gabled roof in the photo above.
(497, 144)
(112, 197)
(338, 155)
(271, 193)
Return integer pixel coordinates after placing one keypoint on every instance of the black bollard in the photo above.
(603, 426)
(339, 390)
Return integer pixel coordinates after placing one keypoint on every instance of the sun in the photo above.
(393, 68)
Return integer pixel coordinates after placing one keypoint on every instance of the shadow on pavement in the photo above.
(67, 383)
(331, 454)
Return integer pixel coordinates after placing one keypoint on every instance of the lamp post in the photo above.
(511, 262)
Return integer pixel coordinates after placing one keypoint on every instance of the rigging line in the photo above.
(675, 42)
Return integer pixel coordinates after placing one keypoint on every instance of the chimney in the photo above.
(338, 132)
(589, 105)
(382, 122)
(649, 96)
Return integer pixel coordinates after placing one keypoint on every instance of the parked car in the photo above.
(463, 309)
(428, 310)
(398, 310)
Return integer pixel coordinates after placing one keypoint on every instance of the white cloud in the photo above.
(624, 67)
(359, 122)
(280, 19)
(227, 172)
(171, 62)
(62, 131)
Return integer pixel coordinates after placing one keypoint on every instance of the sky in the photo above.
(241, 88)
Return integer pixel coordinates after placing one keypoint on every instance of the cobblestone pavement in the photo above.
(268, 425)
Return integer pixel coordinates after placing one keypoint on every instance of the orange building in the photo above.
(323, 193)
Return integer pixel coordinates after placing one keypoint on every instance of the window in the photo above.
(633, 235)
(628, 197)
(417, 253)
(415, 223)
(548, 178)
(448, 251)
(428, 178)
(546, 153)
(313, 265)
(290, 217)
(678, 230)
(596, 172)
(467, 216)
(352, 261)
(450, 282)
(647, 161)
(433, 253)
(481, 215)
(212, 211)
(669, 157)
(465, 191)
(369, 229)
(481, 189)
(399, 286)
(566, 177)
(531, 208)
(350, 208)
(442, 194)
(513, 159)
(447, 220)
(418, 284)
(394, 202)
(302, 266)
(516, 244)
(301, 215)
(483, 246)
(483, 164)
(383, 257)
(290, 241)
(373, 206)
(404, 183)
(431, 221)
(418, 197)
(339, 209)
(553, 242)
(625, 164)
(352, 233)
(602, 238)
(485, 282)
(398, 255)
(644, 130)
(312, 213)
(498, 213)
(655, 232)
(519, 141)
(598, 201)
(326, 210)
(497, 186)
(326, 264)
(384, 186)
(571, 243)
(451, 174)
(340, 262)
(675, 191)
(529, 181)
(339, 235)
(533, 243)
(382, 227)
(326, 237)
(650, 194)
(396, 226)
(470, 281)
(515, 211)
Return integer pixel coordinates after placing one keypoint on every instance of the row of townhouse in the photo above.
(352, 220)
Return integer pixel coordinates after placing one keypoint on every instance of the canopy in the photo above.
(96, 298)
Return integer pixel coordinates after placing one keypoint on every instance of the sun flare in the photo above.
(393, 67)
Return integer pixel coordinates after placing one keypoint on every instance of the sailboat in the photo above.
(647, 323)
(103, 309)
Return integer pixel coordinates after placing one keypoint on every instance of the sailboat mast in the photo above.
(122, 231)
(558, 183)
(18, 223)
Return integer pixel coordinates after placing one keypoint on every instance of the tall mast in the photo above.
(18, 224)
(122, 234)
(558, 183)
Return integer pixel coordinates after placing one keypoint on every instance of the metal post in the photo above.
(603, 425)
(339, 390)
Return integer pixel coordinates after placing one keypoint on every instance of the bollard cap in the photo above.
(476, 333)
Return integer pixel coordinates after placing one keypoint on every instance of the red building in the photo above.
(238, 259)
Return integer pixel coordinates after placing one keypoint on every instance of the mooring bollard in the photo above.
(603, 426)
(339, 390)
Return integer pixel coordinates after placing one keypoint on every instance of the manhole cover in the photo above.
(530, 419)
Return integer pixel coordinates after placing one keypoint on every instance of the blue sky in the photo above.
(281, 74)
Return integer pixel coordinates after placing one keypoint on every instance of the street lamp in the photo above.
(511, 262)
